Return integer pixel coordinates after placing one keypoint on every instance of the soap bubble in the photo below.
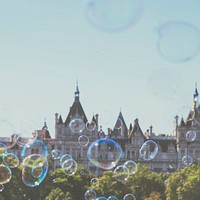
(56, 154)
(83, 140)
(5, 174)
(121, 173)
(104, 153)
(90, 195)
(129, 196)
(1, 187)
(113, 15)
(64, 158)
(187, 160)
(38, 147)
(69, 167)
(34, 170)
(178, 41)
(90, 126)
(77, 125)
(94, 182)
(148, 150)
(131, 166)
(112, 198)
(191, 136)
(11, 160)
(3, 149)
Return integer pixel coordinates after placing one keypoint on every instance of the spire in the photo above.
(45, 125)
(196, 99)
(77, 92)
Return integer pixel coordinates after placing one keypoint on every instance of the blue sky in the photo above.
(45, 46)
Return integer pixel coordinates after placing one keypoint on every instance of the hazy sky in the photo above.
(46, 45)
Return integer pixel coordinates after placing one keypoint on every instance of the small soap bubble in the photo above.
(5, 174)
(131, 166)
(113, 15)
(121, 173)
(56, 154)
(129, 196)
(1, 187)
(83, 140)
(112, 198)
(11, 160)
(37, 171)
(104, 153)
(90, 195)
(149, 150)
(64, 158)
(178, 41)
(94, 182)
(69, 167)
(187, 160)
(77, 125)
(191, 136)
(90, 126)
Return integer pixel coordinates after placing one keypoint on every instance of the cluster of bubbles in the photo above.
(91, 195)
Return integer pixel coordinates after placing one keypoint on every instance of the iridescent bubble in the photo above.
(90, 195)
(56, 154)
(83, 140)
(167, 80)
(1, 187)
(104, 153)
(77, 125)
(112, 198)
(94, 182)
(187, 160)
(129, 196)
(191, 136)
(28, 134)
(178, 41)
(37, 171)
(5, 174)
(11, 160)
(64, 158)
(7, 129)
(149, 150)
(121, 173)
(32, 162)
(69, 167)
(38, 147)
(90, 126)
(3, 149)
(131, 166)
(113, 15)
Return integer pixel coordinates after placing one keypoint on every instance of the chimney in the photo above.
(151, 128)
(56, 118)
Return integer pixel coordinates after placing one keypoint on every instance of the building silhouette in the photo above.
(171, 148)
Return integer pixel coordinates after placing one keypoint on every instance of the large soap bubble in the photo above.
(104, 153)
(113, 15)
(148, 150)
(77, 125)
(178, 41)
(5, 174)
(11, 160)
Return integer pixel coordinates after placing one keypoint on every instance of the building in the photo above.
(68, 133)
